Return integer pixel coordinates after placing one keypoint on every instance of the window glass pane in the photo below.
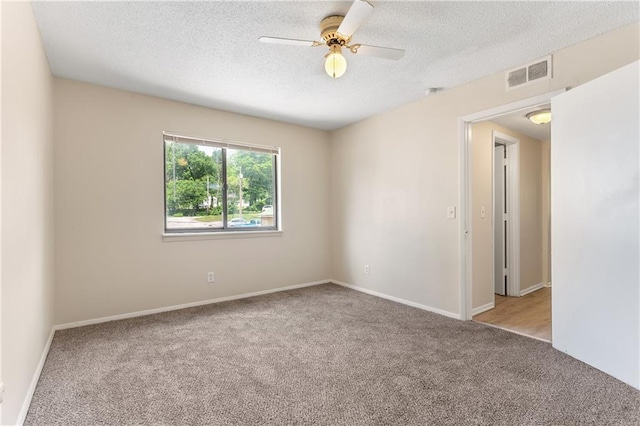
(193, 179)
(251, 189)
(205, 183)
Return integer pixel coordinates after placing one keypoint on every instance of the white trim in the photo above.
(22, 415)
(531, 289)
(218, 143)
(398, 300)
(464, 232)
(170, 237)
(483, 308)
(465, 236)
(513, 331)
(183, 306)
(513, 153)
(522, 104)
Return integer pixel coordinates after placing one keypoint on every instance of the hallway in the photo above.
(529, 315)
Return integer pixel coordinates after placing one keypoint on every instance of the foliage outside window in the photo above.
(213, 185)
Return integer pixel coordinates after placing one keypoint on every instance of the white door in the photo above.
(595, 219)
(499, 222)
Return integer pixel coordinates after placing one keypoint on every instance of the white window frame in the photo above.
(240, 232)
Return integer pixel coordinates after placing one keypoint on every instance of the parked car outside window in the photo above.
(236, 222)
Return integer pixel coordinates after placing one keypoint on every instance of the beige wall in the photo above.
(531, 231)
(27, 204)
(111, 258)
(530, 208)
(393, 176)
(482, 228)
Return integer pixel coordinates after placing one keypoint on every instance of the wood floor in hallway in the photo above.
(529, 314)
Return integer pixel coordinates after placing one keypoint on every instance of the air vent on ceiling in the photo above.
(530, 73)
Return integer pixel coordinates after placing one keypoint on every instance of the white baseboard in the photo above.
(22, 415)
(183, 306)
(531, 289)
(548, 285)
(483, 308)
(398, 300)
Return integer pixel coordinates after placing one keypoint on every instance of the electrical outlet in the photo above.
(367, 270)
(211, 277)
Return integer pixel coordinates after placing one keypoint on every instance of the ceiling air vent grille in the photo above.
(530, 73)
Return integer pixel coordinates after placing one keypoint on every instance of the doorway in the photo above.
(505, 195)
(507, 269)
(500, 219)
(492, 280)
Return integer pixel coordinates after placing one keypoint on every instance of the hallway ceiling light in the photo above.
(542, 116)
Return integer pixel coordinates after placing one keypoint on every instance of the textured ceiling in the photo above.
(519, 122)
(207, 53)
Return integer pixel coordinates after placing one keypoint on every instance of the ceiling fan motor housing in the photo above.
(329, 31)
(335, 33)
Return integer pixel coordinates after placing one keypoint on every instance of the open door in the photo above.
(499, 221)
(595, 215)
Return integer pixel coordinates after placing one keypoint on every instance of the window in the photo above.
(218, 186)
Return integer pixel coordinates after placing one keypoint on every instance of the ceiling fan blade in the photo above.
(357, 14)
(289, 41)
(380, 52)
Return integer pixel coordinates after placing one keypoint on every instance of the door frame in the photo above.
(465, 231)
(512, 145)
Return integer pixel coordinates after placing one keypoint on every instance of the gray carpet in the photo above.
(319, 355)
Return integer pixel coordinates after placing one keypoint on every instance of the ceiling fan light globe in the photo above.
(335, 65)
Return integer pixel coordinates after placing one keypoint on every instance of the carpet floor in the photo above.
(319, 355)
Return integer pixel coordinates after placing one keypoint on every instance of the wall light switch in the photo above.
(483, 212)
(451, 212)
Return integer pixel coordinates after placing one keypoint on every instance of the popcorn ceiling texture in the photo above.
(322, 355)
(207, 53)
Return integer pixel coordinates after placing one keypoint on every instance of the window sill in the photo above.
(196, 236)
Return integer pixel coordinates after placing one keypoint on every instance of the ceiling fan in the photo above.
(336, 32)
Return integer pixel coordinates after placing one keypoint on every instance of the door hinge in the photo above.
(504, 162)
